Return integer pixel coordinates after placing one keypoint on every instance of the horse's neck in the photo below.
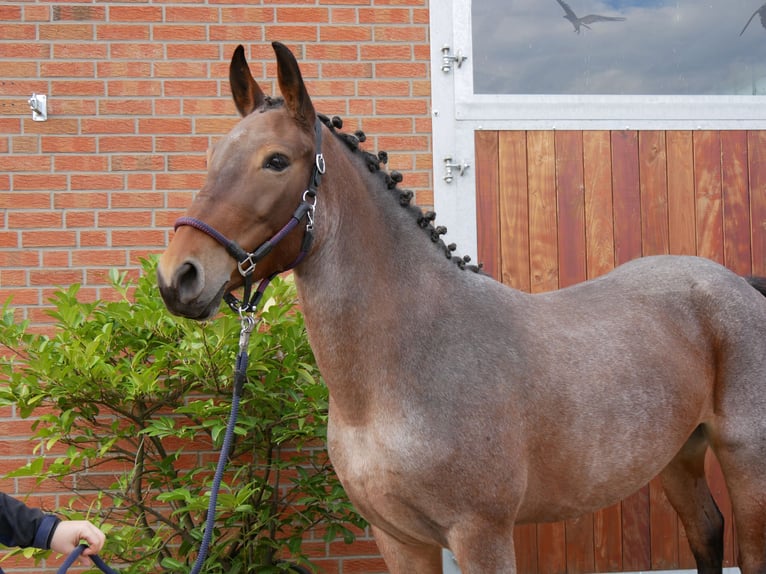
(363, 287)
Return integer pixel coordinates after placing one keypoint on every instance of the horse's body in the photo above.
(460, 407)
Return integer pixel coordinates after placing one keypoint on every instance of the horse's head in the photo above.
(257, 176)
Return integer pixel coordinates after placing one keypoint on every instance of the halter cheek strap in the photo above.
(247, 260)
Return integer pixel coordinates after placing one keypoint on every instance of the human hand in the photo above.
(69, 534)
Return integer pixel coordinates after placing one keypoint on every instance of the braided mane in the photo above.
(374, 163)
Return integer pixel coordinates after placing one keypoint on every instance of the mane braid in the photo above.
(404, 196)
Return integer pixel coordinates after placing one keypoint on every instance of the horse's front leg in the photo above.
(408, 558)
(483, 548)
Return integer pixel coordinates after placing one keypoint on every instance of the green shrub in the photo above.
(140, 399)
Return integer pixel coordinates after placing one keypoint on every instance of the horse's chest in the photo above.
(383, 468)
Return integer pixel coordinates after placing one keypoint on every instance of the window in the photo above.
(619, 47)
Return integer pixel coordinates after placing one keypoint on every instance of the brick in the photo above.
(93, 239)
(345, 34)
(56, 238)
(121, 88)
(190, 88)
(79, 219)
(293, 33)
(137, 162)
(180, 69)
(34, 219)
(55, 277)
(96, 182)
(165, 125)
(81, 200)
(19, 32)
(76, 50)
(377, 15)
(79, 107)
(400, 34)
(78, 162)
(137, 237)
(77, 88)
(182, 32)
(61, 31)
(302, 14)
(133, 199)
(124, 69)
(111, 144)
(106, 32)
(68, 144)
(25, 200)
(125, 218)
(39, 51)
(47, 182)
(135, 13)
(136, 51)
(17, 162)
(79, 12)
(195, 14)
(113, 125)
(10, 13)
(235, 33)
(21, 258)
(247, 14)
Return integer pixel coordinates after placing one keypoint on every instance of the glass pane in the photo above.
(622, 47)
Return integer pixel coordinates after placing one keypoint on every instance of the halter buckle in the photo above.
(320, 164)
(250, 262)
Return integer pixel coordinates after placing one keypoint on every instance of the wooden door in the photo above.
(557, 208)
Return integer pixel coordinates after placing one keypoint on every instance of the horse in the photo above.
(460, 407)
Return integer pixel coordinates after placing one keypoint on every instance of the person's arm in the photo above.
(23, 526)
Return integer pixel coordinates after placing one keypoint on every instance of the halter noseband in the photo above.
(247, 260)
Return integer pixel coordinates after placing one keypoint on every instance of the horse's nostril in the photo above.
(189, 281)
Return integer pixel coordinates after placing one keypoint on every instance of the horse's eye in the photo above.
(277, 162)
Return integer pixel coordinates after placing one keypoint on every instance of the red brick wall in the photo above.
(137, 91)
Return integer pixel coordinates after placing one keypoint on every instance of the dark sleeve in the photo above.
(23, 526)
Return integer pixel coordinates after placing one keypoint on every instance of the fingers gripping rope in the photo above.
(76, 553)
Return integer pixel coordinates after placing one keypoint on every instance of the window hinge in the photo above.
(448, 59)
(450, 167)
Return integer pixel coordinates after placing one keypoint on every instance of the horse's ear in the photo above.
(292, 87)
(246, 92)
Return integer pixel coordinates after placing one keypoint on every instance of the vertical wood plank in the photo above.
(682, 227)
(487, 197)
(627, 199)
(736, 202)
(571, 207)
(607, 539)
(627, 240)
(541, 182)
(551, 552)
(543, 255)
(572, 269)
(757, 167)
(708, 195)
(599, 236)
(525, 545)
(514, 210)
(599, 223)
(654, 192)
(636, 542)
(579, 545)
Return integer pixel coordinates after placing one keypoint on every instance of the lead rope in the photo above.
(75, 554)
(240, 375)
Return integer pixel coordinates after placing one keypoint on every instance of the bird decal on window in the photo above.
(760, 12)
(585, 20)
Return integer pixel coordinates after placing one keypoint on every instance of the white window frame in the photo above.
(457, 113)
